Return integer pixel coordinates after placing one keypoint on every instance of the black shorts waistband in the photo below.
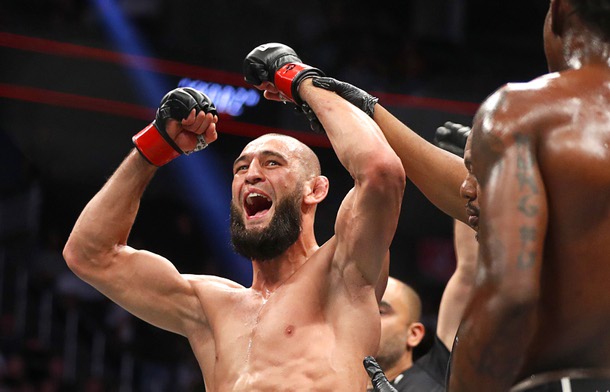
(568, 384)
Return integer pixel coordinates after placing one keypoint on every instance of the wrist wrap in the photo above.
(154, 143)
(153, 146)
(288, 78)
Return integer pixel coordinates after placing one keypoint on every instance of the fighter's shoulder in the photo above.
(515, 96)
(522, 107)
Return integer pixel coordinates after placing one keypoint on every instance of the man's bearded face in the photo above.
(273, 240)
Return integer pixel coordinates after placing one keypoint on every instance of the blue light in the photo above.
(127, 40)
(228, 99)
(207, 195)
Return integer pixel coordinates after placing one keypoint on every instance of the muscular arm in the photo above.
(143, 283)
(367, 220)
(458, 290)
(500, 320)
(436, 172)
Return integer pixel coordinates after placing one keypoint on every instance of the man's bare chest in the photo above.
(287, 325)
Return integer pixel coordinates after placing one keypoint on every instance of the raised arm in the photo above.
(143, 283)
(368, 217)
(500, 319)
(452, 137)
(460, 285)
(436, 172)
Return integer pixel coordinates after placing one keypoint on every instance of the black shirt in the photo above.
(427, 373)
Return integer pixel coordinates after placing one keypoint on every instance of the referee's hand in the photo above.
(378, 379)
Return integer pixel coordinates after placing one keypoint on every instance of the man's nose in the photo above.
(468, 190)
(254, 174)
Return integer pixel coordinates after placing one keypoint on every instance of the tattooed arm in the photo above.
(500, 320)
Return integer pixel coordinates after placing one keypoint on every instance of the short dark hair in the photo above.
(595, 14)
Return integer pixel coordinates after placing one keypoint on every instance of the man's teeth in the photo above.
(252, 195)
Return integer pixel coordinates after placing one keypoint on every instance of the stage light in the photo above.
(228, 99)
(203, 189)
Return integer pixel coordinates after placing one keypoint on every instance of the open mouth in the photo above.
(471, 210)
(473, 221)
(257, 204)
(473, 216)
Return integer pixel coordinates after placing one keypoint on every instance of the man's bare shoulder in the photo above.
(525, 108)
(513, 98)
(545, 95)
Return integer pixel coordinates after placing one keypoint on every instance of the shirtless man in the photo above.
(311, 313)
(538, 161)
(538, 171)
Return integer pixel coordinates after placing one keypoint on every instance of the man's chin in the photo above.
(256, 225)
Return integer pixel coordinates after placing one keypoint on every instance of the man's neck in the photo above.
(268, 275)
(584, 47)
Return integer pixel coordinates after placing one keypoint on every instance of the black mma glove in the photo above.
(357, 97)
(314, 123)
(153, 142)
(378, 379)
(280, 65)
(452, 137)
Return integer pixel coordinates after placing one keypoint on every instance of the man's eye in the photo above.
(272, 163)
(241, 168)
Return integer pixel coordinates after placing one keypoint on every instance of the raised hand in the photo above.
(185, 122)
(277, 69)
(452, 137)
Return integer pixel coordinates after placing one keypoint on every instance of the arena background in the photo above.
(78, 78)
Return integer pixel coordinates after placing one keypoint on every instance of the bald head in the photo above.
(304, 155)
(401, 330)
(404, 299)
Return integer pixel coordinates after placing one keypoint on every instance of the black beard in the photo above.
(275, 239)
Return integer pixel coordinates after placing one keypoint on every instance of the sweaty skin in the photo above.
(539, 170)
(311, 314)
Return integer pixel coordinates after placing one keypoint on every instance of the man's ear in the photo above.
(560, 12)
(316, 190)
(416, 334)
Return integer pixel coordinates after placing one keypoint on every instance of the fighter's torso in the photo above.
(308, 335)
(574, 158)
